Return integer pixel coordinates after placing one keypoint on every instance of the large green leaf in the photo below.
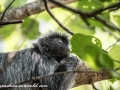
(91, 56)
(105, 60)
(82, 45)
(94, 56)
(78, 41)
(89, 49)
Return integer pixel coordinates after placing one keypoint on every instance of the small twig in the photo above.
(114, 9)
(106, 8)
(5, 11)
(60, 24)
(68, 8)
(117, 69)
(11, 22)
(116, 61)
(94, 87)
(110, 32)
(113, 44)
(92, 14)
(85, 20)
(108, 24)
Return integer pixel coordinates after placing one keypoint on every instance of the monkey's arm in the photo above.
(61, 82)
(68, 63)
(66, 81)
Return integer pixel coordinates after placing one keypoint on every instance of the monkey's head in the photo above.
(54, 44)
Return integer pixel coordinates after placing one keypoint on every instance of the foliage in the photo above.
(88, 42)
(89, 49)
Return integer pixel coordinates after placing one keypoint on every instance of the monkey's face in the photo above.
(59, 48)
(55, 45)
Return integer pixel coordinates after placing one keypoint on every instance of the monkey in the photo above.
(49, 55)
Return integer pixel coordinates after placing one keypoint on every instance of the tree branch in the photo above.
(89, 15)
(113, 44)
(85, 75)
(11, 22)
(5, 11)
(59, 23)
(37, 7)
(115, 5)
(28, 9)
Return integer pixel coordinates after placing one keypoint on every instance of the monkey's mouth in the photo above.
(67, 50)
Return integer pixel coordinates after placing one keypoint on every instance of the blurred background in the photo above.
(21, 36)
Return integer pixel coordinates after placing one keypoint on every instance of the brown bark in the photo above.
(83, 78)
(29, 9)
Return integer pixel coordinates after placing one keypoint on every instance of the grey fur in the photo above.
(43, 59)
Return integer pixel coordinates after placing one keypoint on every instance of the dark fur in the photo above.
(47, 57)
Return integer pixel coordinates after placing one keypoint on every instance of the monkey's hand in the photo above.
(68, 63)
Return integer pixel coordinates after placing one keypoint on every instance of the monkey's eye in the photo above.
(60, 41)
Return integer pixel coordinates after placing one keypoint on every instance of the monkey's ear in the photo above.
(35, 45)
(43, 41)
(40, 40)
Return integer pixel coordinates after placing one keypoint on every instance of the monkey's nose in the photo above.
(67, 50)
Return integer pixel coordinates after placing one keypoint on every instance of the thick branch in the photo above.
(5, 11)
(29, 9)
(89, 78)
(37, 7)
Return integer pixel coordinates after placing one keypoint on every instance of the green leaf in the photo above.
(89, 49)
(82, 45)
(89, 5)
(117, 19)
(78, 41)
(105, 15)
(91, 56)
(7, 30)
(78, 26)
(114, 52)
(95, 23)
(97, 59)
(116, 75)
(105, 60)
(112, 80)
(30, 28)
